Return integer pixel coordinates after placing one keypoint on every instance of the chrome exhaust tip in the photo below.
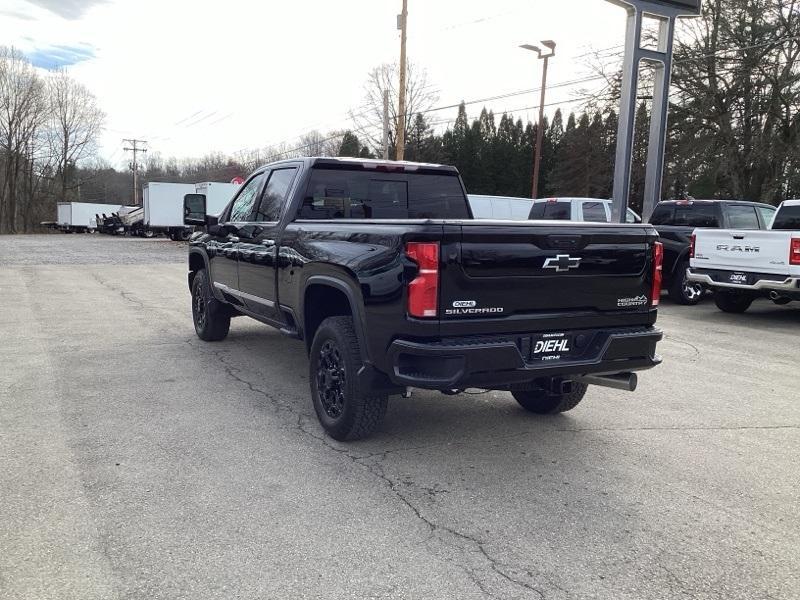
(627, 382)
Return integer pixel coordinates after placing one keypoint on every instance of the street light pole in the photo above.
(537, 161)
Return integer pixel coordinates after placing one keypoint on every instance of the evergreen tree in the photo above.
(350, 145)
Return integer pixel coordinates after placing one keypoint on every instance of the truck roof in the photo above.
(364, 163)
(713, 201)
(791, 203)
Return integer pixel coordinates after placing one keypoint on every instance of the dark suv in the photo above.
(677, 219)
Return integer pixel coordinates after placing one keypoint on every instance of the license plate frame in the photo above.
(551, 347)
(739, 278)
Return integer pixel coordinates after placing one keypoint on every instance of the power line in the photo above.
(569, 83)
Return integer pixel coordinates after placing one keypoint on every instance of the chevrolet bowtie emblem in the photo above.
(562, 263)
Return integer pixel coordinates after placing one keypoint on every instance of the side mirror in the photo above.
(194, 209)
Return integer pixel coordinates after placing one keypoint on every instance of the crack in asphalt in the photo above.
(372, 464)
(697, 354)
(125, 295)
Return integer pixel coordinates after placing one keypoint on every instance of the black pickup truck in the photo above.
(676, 220)
(380, 269)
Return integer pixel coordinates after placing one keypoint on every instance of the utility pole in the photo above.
(386, 125)
(537, 160)
(402, 25)
(135, 148)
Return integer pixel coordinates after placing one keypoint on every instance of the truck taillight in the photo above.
(794, 252)
(658, 273)
(423, 291)
(693, 245)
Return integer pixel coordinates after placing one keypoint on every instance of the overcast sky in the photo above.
(194, 76)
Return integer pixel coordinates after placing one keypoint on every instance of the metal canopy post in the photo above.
(667, 13)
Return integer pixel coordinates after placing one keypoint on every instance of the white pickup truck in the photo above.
(741, 266)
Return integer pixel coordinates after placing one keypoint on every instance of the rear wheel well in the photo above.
(322, 301)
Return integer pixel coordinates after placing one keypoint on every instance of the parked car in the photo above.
(742, 265)
(589, 210)
(379, 268)
(676, 220)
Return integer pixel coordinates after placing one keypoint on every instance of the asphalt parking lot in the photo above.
(138, 462)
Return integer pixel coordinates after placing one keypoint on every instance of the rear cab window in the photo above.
(341, 192)
(788, 218)
(663, 215)
(696, 214)
(551, 211)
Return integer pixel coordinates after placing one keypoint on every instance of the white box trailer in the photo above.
(218, 195)
(81, 216)
(163, 208)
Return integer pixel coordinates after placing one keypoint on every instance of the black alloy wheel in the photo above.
(199, 307)
(331, 379)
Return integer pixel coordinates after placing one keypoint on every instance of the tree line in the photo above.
(734, 128)
(48, 125)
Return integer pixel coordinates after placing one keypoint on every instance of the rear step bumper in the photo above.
(762, 282)
(499, 363)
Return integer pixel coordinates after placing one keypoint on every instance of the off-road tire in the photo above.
(344, 408)
(681, 291)
(732, 303)
(211, 318)
(543, 402)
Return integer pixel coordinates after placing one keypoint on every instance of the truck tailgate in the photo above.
(525, 273)
(750, 251)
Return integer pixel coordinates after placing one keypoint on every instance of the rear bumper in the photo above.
(501, 363)
(762, 282)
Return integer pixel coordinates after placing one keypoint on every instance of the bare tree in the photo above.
(368, 119)
(312, 144)
(23, 110)
(76, 122)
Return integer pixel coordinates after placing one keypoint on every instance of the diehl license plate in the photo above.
(738, 278)
(551, 346)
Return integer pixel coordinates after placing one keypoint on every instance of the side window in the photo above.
(537, 211)
(558, 211)
(663, 214)
(767, 214)
(594, 212)
(632, 217)
(245, 202)
(275, 194)
(742, 217)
